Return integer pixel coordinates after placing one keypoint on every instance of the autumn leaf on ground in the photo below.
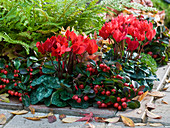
(3, 98)
(52, 119)
(41, 117)
(70, 119)
(88, 117)
(99, 119)
(19, 112)
(140, 124)
(164, 102)
(2, 119)
(90, 125)
(141, 97)
(32, 110)
(33, 118)
(155, 124)
(62, 116)
(127, 121)
(112, 120)
(157, 94)
(152, 115)
(150, 106)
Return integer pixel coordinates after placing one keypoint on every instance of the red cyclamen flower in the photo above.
(150, 34)
(132, 45)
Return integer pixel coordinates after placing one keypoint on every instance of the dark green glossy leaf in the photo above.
(26, 100)
(33, 58)
(33, 97)
(10, 75)
(48, 70)
(35, 65)
(87, 89)
(65, 95)
(2, 63)
(39, 80)
(35, 71)
(29, 62)
(133, 104)
(56, 101)
(17, 63)
(113, 99)
(22, 86)
(26, 79)
(23, 71)
(47, 101)
(43, 92)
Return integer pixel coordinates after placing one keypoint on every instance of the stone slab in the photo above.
(20, 122)
(7, 115)
(14, 104)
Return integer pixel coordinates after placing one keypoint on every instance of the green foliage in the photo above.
(149, 62)
(25, 22)
(120, 5)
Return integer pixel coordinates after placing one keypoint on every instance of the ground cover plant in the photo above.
(73, 72)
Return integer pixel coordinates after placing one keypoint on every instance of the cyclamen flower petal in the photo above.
(40, 48)
(92, 47)
(150, 34)
(132, 45)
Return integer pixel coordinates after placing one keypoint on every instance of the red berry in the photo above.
(119, 77)
(155, 56)
(140, 92)
(19, 81)
(19, 94)
(101, 65)
(7, 81)
(4, 80)
(18, 71)
(16, 93)
(76, 97)
(28, 70)
(104, 70)
(108, 68)
(30, 73)
(150, 53)
(116, 105)
(128, 100)
(88, 66)
(4, 86)
(31, 87)
(15, 84)
(6, 66)
(86, 98)
(103, 105)
(1, 86)
(79, 100)
(99, 102)
(15, 71)
(20, 99)
(31, 69)
(126, 84)
(123, 99)
(119, 107)
(12, 93)
(135, 89)
(103, 92)
(131, 86)
(96, 86)
(118, 99)
(81, 86)
(2, 71)
(124, 105)
(5, 72)
(163, 57)
(113, 90)
(9, 91)
(108, 93)
(40, 68)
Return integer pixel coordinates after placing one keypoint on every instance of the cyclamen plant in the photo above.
(66, 49)
(136, 33)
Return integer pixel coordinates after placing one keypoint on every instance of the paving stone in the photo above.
(14, 104)
(7, 114)
(19, 122)
(164, 111)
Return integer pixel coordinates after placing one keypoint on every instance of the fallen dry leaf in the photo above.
(50, 114)
(33, 118)
(90, 125)
(157, 94)
(135, 98)
(167, 81)
(164, 102)
(70, 119)
(152, 115)
(155, 124)
(2, 119)
(164, 89)
(139, 111)
(127, 121)
(41, 117)
(32, 110)
(52, 119)
(18, 112)
(150, 105)
(142, 96)
(62, 116)
(3, 98)
(112, 120)
(140, 124)
(99, 119)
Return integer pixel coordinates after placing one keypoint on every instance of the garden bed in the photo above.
(138, 115)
